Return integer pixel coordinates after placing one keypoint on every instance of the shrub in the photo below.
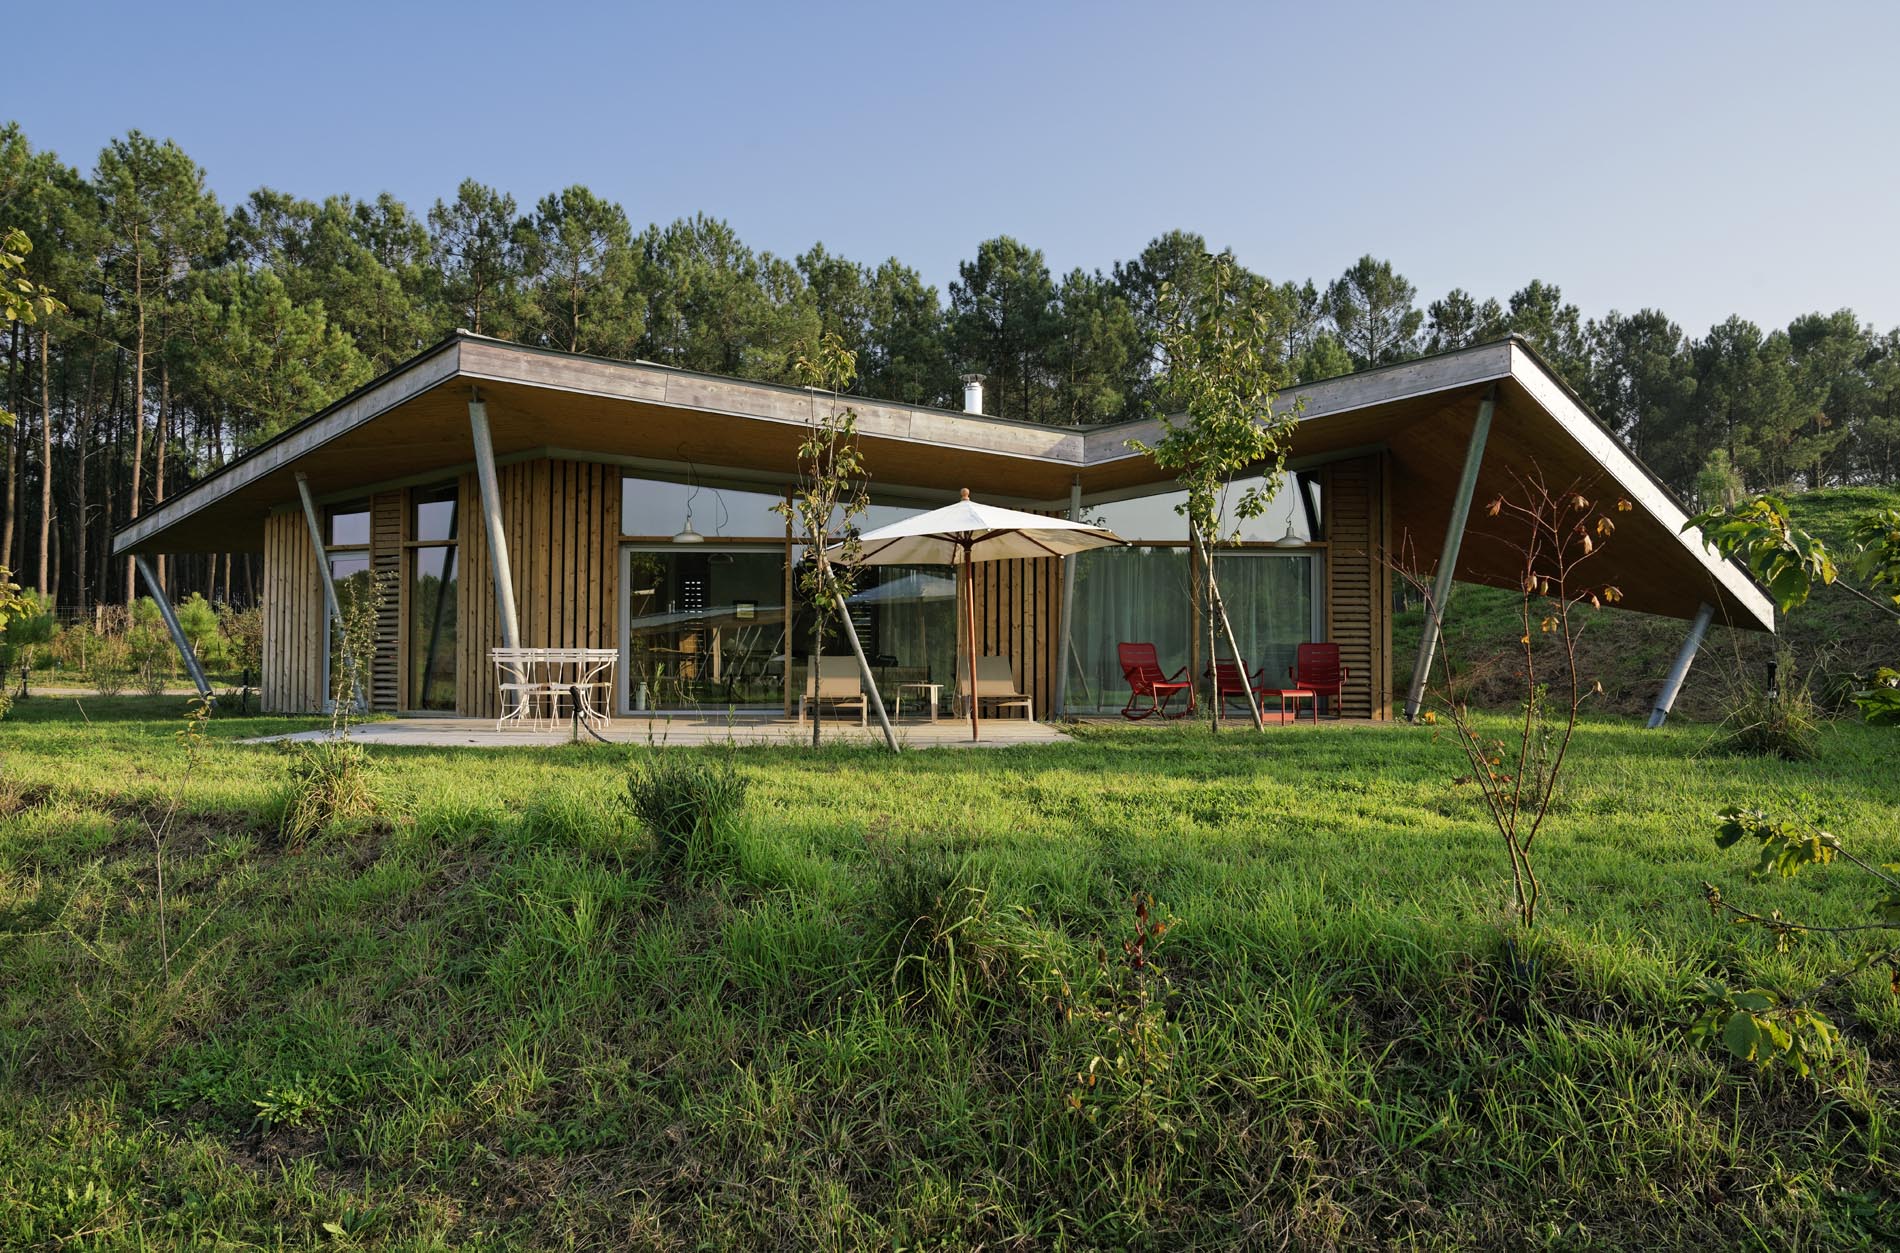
(1781, 720)
(107, 664)
(199, 621)
(243, 636)
(684, 800)
(329, 782)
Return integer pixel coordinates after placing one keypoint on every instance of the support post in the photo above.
(1679, 669)
(491, 520)
(331, 610)
(866, 678)
(1448, 554)
(157, 590)
(1066, 642)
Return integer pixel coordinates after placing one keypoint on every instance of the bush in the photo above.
(684, 800)
(243, 637)
(1780, 722)
(107, 664)
(329, 782)
(199, 622)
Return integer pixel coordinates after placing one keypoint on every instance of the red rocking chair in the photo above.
(1316, 669)
(1142, 668)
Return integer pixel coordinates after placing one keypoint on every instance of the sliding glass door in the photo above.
(705, 627)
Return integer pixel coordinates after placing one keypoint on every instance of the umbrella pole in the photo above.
(969, 598)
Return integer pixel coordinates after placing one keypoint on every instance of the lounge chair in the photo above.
(835, 680)
(1141, 666)
(996, 687)
(1316, 669)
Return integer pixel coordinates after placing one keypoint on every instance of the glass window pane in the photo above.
(657, 507)
(1269, 599)
(1154, 519)
(349, 525)
(1126, 595)
(435, 510)
(432, 588)
(705, 629)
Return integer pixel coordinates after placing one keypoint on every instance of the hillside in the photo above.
(1832, 638)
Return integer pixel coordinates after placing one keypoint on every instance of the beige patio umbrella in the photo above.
(965, 533)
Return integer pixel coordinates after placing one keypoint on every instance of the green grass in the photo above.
(492, 1018)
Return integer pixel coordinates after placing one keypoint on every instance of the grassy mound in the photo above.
(911, 1002)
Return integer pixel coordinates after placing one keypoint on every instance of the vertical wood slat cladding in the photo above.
(562, 523)
(1018, 615)
(1359, 583)
(292, 681)
(385, 563)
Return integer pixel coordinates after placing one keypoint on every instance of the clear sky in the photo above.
(1701, 158)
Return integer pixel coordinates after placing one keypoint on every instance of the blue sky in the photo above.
(1699, 158)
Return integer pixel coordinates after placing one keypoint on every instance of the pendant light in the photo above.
(686, 534)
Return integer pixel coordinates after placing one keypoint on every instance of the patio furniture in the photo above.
(1231, 681)
(835, 679)
(1291, 696)
(996, 686)
(1141, 666)
(1316, 668)
(931, 692)
(521, 690)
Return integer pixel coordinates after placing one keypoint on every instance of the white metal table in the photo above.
(932, 692)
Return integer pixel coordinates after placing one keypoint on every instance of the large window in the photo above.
(1293, 510)
(1126, 596)
(705, 627)
(658, 509)
(346, 548)
(433, 574)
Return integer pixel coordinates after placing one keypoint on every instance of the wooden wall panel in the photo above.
(293, 617)
(385, 563)
(1358, 583)
(562, 522)
(1018, 615)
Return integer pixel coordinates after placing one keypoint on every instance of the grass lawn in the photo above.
(891, 1005)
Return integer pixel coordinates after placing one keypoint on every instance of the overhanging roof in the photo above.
(413, 422)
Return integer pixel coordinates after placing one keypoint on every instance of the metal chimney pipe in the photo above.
(973, 393)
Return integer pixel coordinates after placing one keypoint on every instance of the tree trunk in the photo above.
(158, 458)
(46, 461)
(15, 452)
(138, 411)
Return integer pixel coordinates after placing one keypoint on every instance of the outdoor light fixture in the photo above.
(1289, 540)
(686, 534)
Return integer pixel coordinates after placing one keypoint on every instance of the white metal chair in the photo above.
(519, 686)
(995, 687)
(836, 680)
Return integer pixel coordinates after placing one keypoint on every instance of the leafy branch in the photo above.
(1758, 1025)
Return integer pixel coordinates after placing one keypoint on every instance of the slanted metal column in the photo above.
(331, 609)
(153, 586)
(491, 518)
(1068, 607)
(1448, 554)
(1679, 669)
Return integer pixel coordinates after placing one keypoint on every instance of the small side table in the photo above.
(1290, 696)
(933, 692)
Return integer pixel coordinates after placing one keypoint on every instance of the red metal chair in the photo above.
(1231, 681)
(1142, 668)
(1316, 669)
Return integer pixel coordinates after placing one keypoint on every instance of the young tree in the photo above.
(1003, 319)
(1219, 342)
(826, 504)
(577, 255)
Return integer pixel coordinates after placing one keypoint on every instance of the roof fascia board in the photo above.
(342, 417)
(497, 362)
(1486, 363)
(1545, 388)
